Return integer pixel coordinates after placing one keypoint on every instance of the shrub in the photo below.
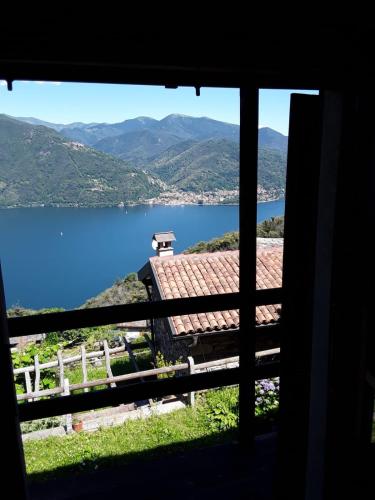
(220, 408)
(266, 398)
(43, 423)
(161, 362)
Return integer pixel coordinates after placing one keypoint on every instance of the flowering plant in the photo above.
(267, 397)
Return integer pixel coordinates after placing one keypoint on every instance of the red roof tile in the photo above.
(213, 273)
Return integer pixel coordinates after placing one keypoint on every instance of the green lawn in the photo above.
(214, 419)
(144, 439)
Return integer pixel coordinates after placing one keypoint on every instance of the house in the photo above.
(214, 335)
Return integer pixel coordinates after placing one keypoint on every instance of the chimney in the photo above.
(162, 243)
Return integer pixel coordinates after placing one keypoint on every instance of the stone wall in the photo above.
(205, 347)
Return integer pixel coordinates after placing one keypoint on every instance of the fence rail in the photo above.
(139, 391)
(141, 375)
(60, 362)
(85, 318)
(132, 312)
(69, 360)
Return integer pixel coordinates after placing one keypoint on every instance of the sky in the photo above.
(60, 102)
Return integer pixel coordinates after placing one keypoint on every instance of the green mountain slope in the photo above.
(203, 166)
(271, 139)
(272, 171)
(39, 166)
(138, 145)
(89, 134)
(213, 164)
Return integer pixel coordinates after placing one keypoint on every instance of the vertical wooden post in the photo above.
(249, 98)
(348, 466)
(299, 268)
(191, 395)
(61, 368)
(29, 387)
(108, 362)
(37, 375)
(84, 366)
(320, 347)
(68, 417)
(13, 467)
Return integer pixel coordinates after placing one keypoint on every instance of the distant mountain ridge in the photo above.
(199, 165)
(271, 139)
(214, 164)
(178, 152)
(38, 166)
(181, 126)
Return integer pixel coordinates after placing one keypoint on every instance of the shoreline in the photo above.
(141, 204)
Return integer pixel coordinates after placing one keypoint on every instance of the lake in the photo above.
(63, 256)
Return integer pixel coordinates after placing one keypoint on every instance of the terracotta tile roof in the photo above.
(192, 275)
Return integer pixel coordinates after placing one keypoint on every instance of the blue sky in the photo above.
(71, 102)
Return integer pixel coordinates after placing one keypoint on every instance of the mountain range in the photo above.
(100, 164)
(38, 166)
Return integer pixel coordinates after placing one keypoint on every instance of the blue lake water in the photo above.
(63, 256)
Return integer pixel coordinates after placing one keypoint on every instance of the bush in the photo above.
(38, 425)
(220, 408)
(25, 358)
(271, 228)
(161, 362)
(267, 398)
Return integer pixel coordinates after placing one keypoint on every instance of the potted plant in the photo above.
(77, 423)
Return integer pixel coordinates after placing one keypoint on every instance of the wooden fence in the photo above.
(65, 388)
(32, 394)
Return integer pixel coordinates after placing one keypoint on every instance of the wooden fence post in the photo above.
(37, 374)
(68, 417)
(29, 387)
(84, 367)
(108, 362)
(61, 368)
(191, 395)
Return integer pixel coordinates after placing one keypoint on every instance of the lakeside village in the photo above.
(217, 197)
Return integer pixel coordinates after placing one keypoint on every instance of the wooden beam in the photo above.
(138, 391)
(13, 466)
(303, 170)
(84, 318)
(319, 392)
(350, 356)
(249, 101)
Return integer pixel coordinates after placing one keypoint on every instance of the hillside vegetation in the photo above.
(202, 166)
(271, 228)
(101, 164)
(126, 290)
(40, 167)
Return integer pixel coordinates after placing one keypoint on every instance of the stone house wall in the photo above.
(205, 347)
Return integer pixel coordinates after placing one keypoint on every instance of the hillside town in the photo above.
(217, 197)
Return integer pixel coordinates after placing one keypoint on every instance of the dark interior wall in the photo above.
(274, 52)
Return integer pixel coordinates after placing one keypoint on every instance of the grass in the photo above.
(213, 420)
(144, 439)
